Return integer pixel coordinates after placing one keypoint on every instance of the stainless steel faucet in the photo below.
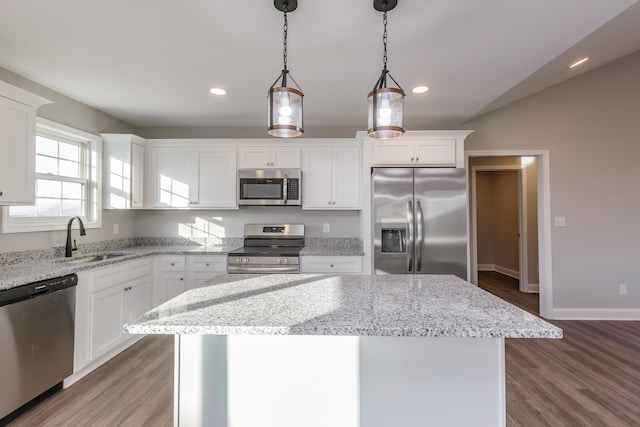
(68, 248)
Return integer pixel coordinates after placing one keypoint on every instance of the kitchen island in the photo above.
(353, 351)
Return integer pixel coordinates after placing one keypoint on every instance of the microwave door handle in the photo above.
(284, 187)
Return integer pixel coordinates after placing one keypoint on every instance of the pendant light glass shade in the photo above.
(285, 112)
(285, 103)
(386, 106)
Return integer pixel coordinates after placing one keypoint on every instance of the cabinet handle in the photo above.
(1, 193)
(329, 202)
(333, 203)
(412, 159)
(207, 264)
(128, 288)
(172, 264)
(331, 266)
(181, 279)
(417, 159)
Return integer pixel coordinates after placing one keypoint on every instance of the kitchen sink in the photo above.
(90, 258)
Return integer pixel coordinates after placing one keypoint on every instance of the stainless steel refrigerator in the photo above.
(420, 224)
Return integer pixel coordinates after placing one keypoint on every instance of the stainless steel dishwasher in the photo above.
(36, 336)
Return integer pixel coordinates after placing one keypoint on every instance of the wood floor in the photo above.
(590, 378)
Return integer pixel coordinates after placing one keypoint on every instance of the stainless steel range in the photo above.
(268, 248)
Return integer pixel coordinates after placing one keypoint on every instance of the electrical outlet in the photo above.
(325, 227)
(116, 228)
(622, 289)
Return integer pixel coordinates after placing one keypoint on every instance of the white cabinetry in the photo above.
(106, 299)
(331, 177)
(178, 273)
(201, 268)
(123, 171)
(266, 157)
(331, 264)
(419, 153)
(17, 144)
(171, 278)
(193, 177)
(439, 148)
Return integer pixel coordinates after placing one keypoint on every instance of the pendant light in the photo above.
(285, 103)
(385, 103)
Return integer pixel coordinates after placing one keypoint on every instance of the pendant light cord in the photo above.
(384, 38)
(284, 44)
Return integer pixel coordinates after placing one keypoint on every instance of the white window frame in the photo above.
(93, 212)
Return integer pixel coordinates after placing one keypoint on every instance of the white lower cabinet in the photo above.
(201, 268)
(331, 264)
(106, 299)
(178, 273)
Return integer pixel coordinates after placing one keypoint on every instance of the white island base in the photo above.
(338, 381)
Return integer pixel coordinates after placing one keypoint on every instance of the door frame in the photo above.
(523, 273)
(544, 218)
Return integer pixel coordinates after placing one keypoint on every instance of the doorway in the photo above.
(528, 259)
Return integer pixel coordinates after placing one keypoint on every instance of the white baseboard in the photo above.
(595, 314)
(92, 366)
(533, 288)
(499, 269)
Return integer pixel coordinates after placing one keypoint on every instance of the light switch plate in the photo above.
(560, 221)
(325, 227)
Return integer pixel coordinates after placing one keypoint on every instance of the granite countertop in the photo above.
(12, 275)
(356, 305)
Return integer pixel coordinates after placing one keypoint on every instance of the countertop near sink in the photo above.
(13, 275)
(19, 274)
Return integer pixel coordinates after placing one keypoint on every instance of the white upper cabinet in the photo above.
(192, 176)
(18, 144)
(331, 177)
(123, 171)
(268, 157)
(420, 148)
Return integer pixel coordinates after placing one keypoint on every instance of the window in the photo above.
(67, 171)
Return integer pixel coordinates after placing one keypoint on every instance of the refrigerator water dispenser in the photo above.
(394, 240)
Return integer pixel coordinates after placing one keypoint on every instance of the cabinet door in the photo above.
(254, 157)
(285, 157)
(316, 178)
(106, 320)
(435, 152)
(395, 152)
(136, 299)
(172, 285)
(172, 176)
(137, 176)
(217, 178)
(17, 148)
(346, 178)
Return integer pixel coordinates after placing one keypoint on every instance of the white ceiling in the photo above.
(151, 62)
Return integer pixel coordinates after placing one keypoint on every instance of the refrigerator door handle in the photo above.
(419, 235)
(410, 249)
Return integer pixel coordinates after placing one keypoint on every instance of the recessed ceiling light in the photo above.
(218, 91)
(582, 61)
(420, 89)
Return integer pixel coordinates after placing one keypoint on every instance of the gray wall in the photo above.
(80, 116)
(220, 223)
(590, 125)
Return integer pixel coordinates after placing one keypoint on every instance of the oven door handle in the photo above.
(284, 188)
(263, 269)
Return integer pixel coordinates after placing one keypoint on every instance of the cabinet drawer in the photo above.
(205, 263)
(172, 263)
(333, 264)
(117, 274)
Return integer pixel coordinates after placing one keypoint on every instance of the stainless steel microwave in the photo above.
(269, 187)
